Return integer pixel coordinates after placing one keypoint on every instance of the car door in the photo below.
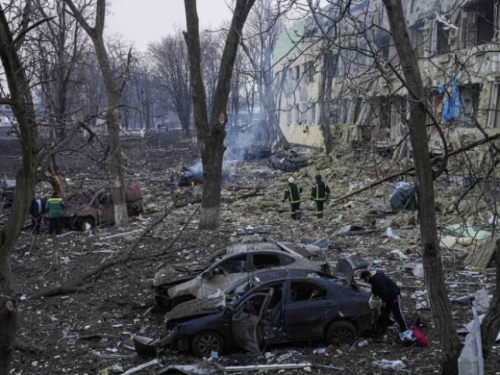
(246, 321)
(224, 273)
(307, 310)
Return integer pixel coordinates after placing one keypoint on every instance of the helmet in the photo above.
(318, 177)
(291, 180)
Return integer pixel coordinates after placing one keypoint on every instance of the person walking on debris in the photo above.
(320, 193)
(54, 209)
(292, 194)
(37, 210)
(390, 294)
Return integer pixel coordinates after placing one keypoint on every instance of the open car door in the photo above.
(246, 322)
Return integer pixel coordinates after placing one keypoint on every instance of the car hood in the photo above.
(197, 308)
(174, 275)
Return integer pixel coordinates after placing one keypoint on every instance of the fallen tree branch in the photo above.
(406, 171)
(75, 286)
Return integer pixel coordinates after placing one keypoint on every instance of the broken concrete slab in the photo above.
(482, 255)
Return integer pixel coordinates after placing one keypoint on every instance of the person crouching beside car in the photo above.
(390, 294)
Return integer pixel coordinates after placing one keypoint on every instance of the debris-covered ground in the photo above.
(89, 331)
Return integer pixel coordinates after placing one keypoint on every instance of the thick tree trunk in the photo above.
(211, 131)
(433, 268)
(491, 323)
(22, 106)
(212, 154)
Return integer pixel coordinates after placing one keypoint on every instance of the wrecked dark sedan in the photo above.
(175, 285)
(219, 300)
(280, 311)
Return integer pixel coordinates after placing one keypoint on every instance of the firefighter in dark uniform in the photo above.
(292, 194)
(319, 194)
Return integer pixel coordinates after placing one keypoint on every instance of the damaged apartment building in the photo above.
(358, 93)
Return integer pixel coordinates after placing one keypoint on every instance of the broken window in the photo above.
(235, 264)
(494, 116)
(384, 44)
(470, 103)
(310, 71)
(417, 36)
(442, 34)
(262, 261)
(357, 110)
(306, 291)
(296, 72)
(345, 110)
(478, 23)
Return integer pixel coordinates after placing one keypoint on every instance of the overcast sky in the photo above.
(145, 21)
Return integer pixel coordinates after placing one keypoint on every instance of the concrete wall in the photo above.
(479, 64)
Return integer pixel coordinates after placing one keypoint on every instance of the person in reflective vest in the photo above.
(320, 193)
(292, 194)
(53, 207)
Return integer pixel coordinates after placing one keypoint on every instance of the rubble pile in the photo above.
(91, 331)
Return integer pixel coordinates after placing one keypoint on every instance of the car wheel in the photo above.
(204, 343)
(87, 223)
(341, 332)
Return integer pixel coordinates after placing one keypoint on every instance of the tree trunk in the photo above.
(212, 153)
(491, 323)
(433, 269)
(113, 122)
(211, 132)
(23, 108)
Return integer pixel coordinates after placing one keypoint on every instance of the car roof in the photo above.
(263, 251)
(327, 283)
(280, 273)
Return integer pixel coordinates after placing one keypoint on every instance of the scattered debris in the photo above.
(389, 365)
(471, 360)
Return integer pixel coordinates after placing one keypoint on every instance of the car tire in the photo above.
(341, 332)
(206, 342)
(85, 222)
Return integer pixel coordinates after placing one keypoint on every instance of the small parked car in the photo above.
(280, 311)
(100, 209)
(177, 284)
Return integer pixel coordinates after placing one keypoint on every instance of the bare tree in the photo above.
(113, 115)
(61, 46)
(211, 126)
(171, 67)
(263, 28)
(35, 154)
(434, 277)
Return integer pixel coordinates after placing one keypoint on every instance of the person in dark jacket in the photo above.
(319, 194)
(54, 210)
(37, 210)
(390, 294)
(292, 194)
